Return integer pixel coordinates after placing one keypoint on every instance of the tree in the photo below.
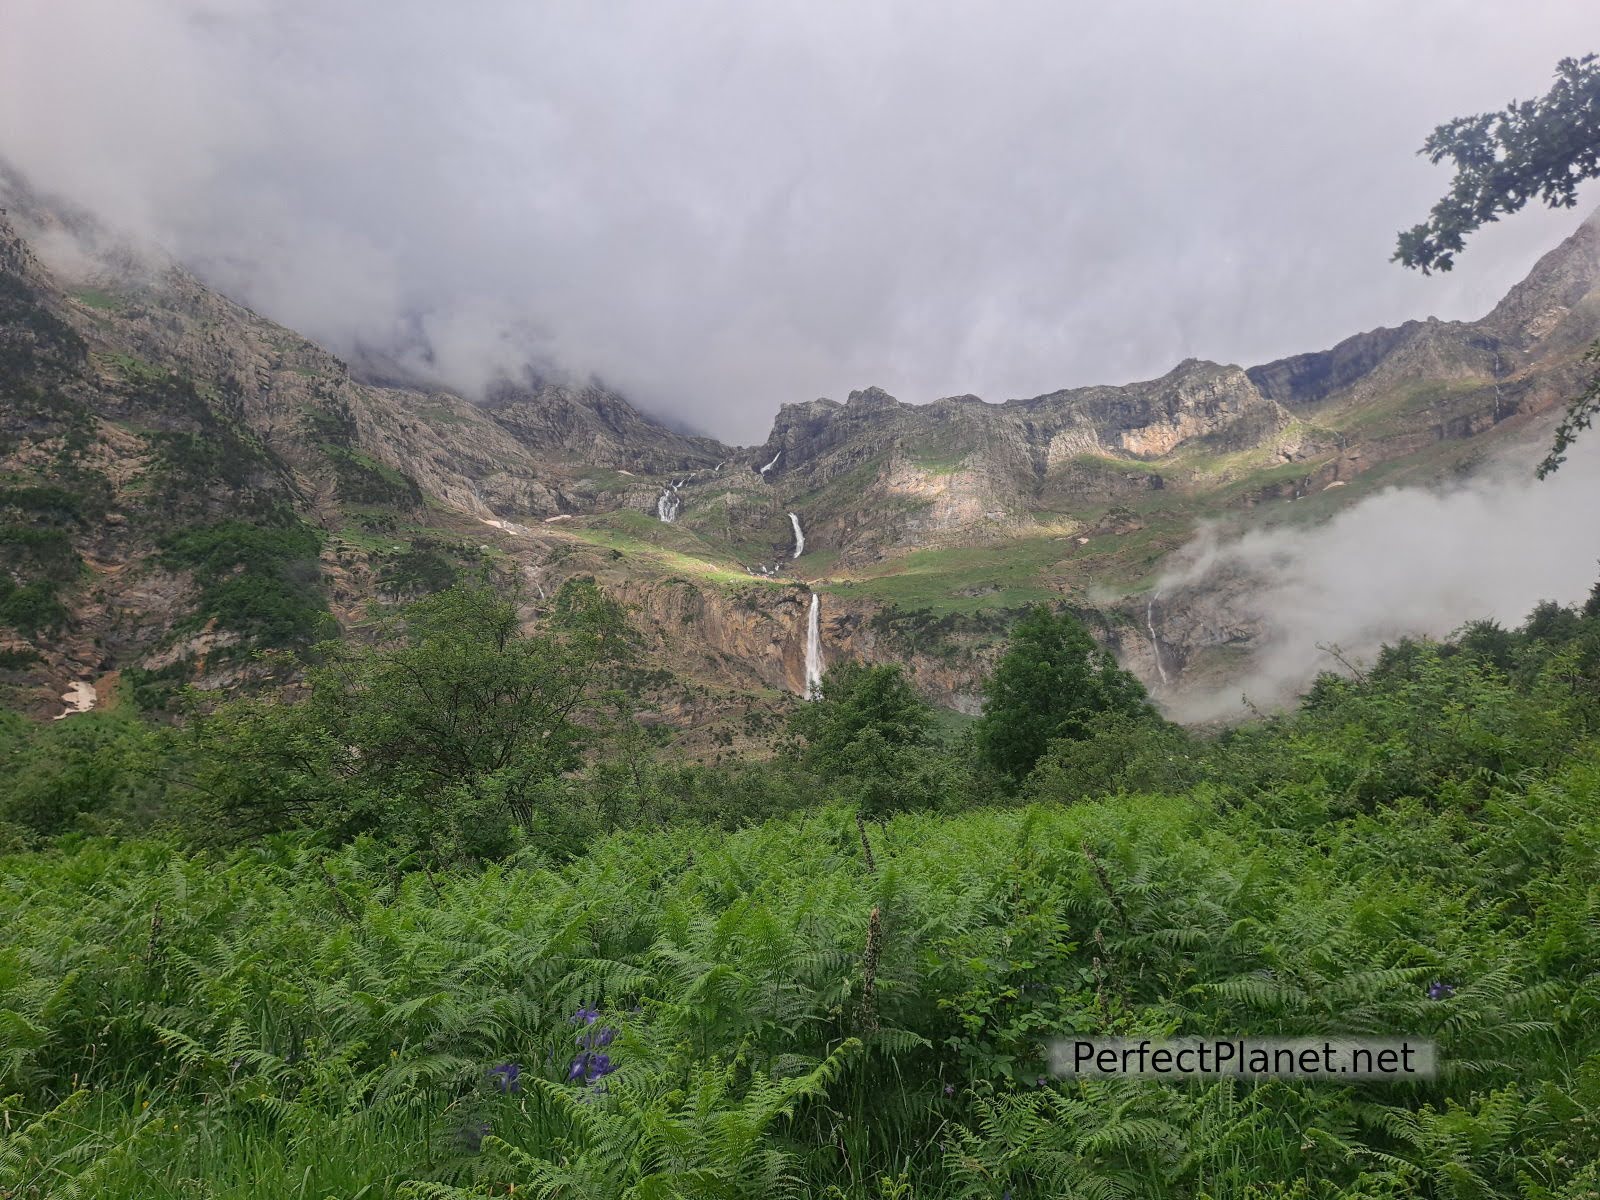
(441, 734)
(1540, 148)
(871, 731)
(856, 699)
(1051, 683)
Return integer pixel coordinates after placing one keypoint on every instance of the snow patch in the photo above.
(79, 697)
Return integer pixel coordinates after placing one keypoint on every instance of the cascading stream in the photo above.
(814, 650)
(1155, 642)
(799, 536)
(668, 504)
(773, 463)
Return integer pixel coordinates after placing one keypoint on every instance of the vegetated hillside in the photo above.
(926, 527)
(642, 1001)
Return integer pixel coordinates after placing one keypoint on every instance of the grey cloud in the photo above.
(720, 207)
(1407, 562)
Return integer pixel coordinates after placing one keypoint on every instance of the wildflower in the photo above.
(505, 1076)
(591, 1065)
(949, 1090)
(588, 1067)
(1440, 990)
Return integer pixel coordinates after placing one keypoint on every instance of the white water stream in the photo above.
(1155, 642)
(668, 505)
(799, 536)
(773, 463)
(814, 649)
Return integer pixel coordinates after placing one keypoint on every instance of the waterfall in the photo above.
(1155, 642)
(814, 650)
(799, 537)
(773, 463)
(668, 505)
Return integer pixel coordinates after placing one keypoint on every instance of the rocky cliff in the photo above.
(183, 483)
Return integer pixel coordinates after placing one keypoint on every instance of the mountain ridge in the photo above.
(925, 525)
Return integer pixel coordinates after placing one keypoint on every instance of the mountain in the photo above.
(184, 484)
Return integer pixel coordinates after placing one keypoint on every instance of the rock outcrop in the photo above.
(156, 405)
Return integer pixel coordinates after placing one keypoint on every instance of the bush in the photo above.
(445, 732)
(263, 581)
(1051, 683)
(1120, 753)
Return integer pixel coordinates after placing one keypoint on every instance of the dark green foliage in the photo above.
(31, 607)
(18, 660)
(333, 423)
(158, 689)
(206, 460)
(1580, 415)
(922, 631)
(870, 735)
(446, 733)
(323, 1021)
(54, 504)
(260, 581)
(427, 565)
(37, 556)
(813, 1005)
(1120, 753)
(857, 700)
(1531, 149)
(1051, 683)
(97, 771)
(39, 552)
(363, 480)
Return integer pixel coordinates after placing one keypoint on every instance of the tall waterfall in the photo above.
(814, 650)
(799, 537)
(773, 463)
(668, 505)
(1155, 642)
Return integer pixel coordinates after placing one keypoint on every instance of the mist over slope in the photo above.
(1406, 562)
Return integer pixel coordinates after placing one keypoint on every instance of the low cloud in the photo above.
(720, 207)
(1406, 562)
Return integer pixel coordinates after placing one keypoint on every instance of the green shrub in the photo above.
(263, 581)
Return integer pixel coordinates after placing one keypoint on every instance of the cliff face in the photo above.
(165, 413)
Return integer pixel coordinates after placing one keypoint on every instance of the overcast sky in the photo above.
(722, 207)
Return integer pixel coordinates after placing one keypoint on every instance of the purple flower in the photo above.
(1440, 990)
(949, 1090)
(586, 1016)
(587, 1067)
(505, 1076)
